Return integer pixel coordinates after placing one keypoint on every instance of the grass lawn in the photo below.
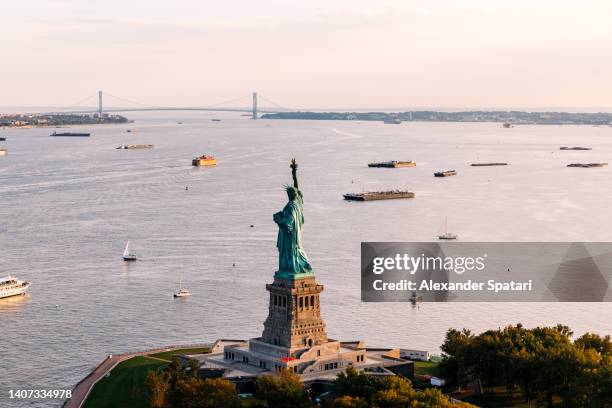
(167, 355)
(122, 388)
(426, 368)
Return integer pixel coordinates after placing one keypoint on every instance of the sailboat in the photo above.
(447, 235)
(127, 254)
(182, 292)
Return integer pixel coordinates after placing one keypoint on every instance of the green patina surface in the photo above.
(292, 260)
(124, 385)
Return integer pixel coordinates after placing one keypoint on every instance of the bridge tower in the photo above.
(100, 103)
(254, 105)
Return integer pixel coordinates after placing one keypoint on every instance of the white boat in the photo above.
(447, 235)
(127, 254)
(182, 292)
(10, 286)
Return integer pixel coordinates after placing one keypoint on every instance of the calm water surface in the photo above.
(67, 207)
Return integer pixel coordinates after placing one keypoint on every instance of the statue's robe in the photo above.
(292, 259)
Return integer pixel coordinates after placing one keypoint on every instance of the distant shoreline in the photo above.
(511, 117)
(26, 121)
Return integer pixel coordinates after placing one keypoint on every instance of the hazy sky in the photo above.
(309, 53)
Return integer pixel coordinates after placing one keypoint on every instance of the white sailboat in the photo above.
(447, 235)
(127, 254)
(182, 292)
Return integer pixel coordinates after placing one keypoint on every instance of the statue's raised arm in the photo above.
(294, 167)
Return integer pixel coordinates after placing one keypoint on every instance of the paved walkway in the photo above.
(82, 389)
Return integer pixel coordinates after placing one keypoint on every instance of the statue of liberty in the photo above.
(292, 259)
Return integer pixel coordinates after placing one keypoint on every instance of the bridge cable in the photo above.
(134, 102)
(60, 108)
(276, 104)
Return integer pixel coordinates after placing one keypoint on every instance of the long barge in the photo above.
(488, 164)
(135, 146)
(379, 195)
(393, 164)
(70, 134)
(587, 165)
(575, 148)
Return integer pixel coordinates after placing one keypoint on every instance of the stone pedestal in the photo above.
(294, 318)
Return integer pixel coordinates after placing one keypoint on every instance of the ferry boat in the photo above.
(128, 255)
(393, 164)
(587, 165)
(71, 134)
(446, 173)
(378, 195)
(204, 160)
(10, 286)
(135, 146)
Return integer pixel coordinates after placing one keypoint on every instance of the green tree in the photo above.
(156, 387)
(456, 365)
(603, 345)
(355, 384)
(347, 401)
(193, 392)
(283, 391)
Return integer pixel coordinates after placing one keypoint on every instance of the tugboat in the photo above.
(378, 195)
(508, 125)
(393, 164)
(204, 160)
(128, 255)
(446, 173)
(10, 286)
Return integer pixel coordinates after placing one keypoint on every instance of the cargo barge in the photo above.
(575, 148)
(135, 146)
(71, 134)
(378, 195)
(393, 164)
(204, 160)
(587, 165)
(488, 164)
(447, 173)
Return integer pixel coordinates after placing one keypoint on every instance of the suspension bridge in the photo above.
(254, 109)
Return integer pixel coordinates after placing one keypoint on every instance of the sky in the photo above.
(309, 54)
